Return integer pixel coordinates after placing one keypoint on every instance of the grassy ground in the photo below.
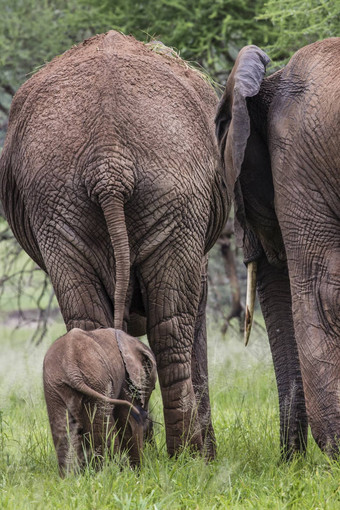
(246, 474)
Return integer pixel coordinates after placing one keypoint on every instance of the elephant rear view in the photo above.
(280, 139)
(111, 180)
(97, 387)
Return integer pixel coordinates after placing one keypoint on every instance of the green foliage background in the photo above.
(247, 472)
(209, 32)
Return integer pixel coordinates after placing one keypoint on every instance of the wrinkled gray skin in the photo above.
(110, 179)
(280, 138)
(90, 380)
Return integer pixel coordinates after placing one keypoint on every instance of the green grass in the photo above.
(246, 474)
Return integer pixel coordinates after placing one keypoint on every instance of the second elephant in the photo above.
(280, 139)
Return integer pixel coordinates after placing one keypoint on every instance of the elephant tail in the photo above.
(113, 209)
(83, 388)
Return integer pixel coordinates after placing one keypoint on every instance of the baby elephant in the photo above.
(97, 387)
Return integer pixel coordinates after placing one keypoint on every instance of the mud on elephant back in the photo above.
(280, 138)
(110, 179)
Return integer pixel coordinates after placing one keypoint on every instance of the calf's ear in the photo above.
(232, 119)
(140, 365)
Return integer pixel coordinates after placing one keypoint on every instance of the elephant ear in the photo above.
(232, 119)
(140, 366)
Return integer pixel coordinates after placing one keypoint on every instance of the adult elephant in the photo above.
(111, 181)
(280, 138)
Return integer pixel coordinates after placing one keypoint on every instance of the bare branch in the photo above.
(228, 255)
(23, 282)
(4, 109)
(8, 89)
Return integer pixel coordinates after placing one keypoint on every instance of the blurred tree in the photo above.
(297, 23)
(32, 32)
(228, 252)
(210, 33)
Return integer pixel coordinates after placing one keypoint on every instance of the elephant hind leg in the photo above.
(99, 434)
(275, 297)
(199, 372)
(313, 254)
(171, 288)
(83, 298)
(317, 313)
(328, 294)
(67, 433)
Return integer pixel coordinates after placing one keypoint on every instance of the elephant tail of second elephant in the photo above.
(113, 209)
(83, 388)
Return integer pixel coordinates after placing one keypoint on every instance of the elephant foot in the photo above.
(181, 418)
(328, 441)
(289, 453)
(297, 446)
(182, 431)
(332, 449)
(209, 443)
(293, 430)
